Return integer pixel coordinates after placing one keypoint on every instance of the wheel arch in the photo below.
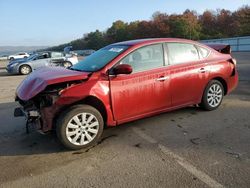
(89, 100)
(223, 82)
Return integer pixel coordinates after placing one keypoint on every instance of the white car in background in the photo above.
(18, 56)
(3, 57)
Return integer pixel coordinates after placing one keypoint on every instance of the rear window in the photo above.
(56, 54)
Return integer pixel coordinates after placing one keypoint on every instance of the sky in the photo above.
(54, 22)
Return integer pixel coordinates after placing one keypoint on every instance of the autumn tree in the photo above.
(242, 16)
(190, 25)
(94, 40)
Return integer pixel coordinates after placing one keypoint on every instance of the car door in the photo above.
(40, 61)
(188, 73)
(146, 89)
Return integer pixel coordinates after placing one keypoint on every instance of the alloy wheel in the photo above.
(214, 95)
(82, 129)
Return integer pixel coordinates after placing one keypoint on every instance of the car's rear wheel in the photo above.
(213, 95)
(79, 127)
(67, 64)
(25, 69)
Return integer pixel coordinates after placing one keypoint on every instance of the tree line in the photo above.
(191, 25)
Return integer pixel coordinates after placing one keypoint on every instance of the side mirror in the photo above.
(122, 69)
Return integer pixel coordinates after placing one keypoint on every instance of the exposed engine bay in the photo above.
(33, 108)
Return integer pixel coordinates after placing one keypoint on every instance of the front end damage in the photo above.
(41, 109)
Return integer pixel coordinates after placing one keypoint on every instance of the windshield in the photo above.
(32, 57)
(99, 59)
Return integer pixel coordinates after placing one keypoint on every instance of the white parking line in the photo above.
(181, 161)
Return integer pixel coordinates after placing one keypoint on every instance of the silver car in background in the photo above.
(27, 65)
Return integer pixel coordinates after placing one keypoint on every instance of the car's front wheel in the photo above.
(79, 127)
(213, 95)
(25, 69)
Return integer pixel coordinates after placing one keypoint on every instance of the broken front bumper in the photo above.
(33, 117)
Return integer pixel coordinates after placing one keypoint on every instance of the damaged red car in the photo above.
(123, 82)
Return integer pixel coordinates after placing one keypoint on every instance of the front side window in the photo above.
(182, 53)
(145, 58)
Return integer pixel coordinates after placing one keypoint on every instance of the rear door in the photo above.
(143, 91)
(188, 72)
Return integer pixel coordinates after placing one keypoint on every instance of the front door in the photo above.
(146, 89)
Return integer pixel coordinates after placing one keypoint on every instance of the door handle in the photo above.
(202, 70)
(162, 78)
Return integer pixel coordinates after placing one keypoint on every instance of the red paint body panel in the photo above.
(137, 95)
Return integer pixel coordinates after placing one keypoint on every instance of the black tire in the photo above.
(25, 56)
(209, 97)
(67, 64)
(25, 69)
(67, 116)
(12, 58)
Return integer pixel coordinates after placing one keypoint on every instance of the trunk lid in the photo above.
(222, 48)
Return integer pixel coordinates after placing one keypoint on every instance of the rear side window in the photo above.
(182, 53)
(203, 52)
(145, 58)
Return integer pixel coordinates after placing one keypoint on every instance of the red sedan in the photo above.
(123, 82)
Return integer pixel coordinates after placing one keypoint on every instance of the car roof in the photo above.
(152, 40)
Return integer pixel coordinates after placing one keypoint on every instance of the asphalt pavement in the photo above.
(184, 148)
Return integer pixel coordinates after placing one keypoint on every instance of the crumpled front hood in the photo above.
(40, 79)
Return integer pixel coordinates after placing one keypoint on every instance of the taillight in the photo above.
(233, 63)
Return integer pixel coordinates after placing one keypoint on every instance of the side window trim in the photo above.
(199, 51)
(166, 52)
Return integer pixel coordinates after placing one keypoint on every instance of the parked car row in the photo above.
(84, 52)
(33, 62)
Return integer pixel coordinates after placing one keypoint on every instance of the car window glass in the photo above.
(56, 54)
(145, 58)
(203, 52)
(43, 56)
(182, 53)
